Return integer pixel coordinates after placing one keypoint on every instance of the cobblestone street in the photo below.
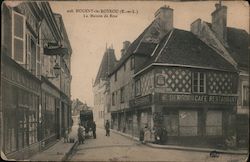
(119, 148)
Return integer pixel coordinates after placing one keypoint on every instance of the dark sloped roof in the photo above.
(107, 64)
(145, 48)
(238, 42)
(131, 49)
(184, 48)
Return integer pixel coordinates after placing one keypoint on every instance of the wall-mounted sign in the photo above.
(141, 101)
(198, 98)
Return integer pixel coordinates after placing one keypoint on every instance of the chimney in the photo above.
(165, 15)
(125, 47)
(219, 22)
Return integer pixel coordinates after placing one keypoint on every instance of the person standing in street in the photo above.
(107, 128)
(81, 134)
(142, 135)
(146, 134)
(94, 129)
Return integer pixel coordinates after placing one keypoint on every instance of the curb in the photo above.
(66, 156)
(182, 147)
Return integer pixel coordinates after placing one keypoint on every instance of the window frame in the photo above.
(244, 95)
(199, 82)
(122, 95)
(113, 99)
(138, 83)
(132, 62)
(115, 76)
(215, 125)
(13, 37)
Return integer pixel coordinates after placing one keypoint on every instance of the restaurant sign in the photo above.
(198, 98)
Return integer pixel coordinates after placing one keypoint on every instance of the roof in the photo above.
(131, 49)
(107, 64)
(184, 48)
(238, 42)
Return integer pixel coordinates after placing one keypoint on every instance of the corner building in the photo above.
(175, 81)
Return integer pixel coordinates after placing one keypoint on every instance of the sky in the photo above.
(89, 36)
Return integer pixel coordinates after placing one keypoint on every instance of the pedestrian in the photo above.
(141, 135)
(94, 129)
(66, 136)
(164, 136)
(107, 128)
(146, 134)
(80, 134)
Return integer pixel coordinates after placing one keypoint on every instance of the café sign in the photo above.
(197, 98)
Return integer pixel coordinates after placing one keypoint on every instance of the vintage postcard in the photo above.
(125, 81)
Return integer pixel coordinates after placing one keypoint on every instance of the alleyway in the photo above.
(117, 147)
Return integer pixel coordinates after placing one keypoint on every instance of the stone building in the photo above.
(35, 64)
(170, 78)
(233, 45)
(101, 88)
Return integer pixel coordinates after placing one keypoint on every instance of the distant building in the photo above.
(170, 78)
(233, 45)
(35, 78)
(77, 106)
(101, 88)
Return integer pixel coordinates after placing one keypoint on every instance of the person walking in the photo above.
(107, 128)
(94, 129)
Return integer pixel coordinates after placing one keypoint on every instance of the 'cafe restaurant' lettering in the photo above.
(198, 98)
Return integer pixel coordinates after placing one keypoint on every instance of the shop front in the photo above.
(50, 107)
(200, 119)
(20, 101)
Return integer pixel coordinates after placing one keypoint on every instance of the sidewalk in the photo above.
(59, 151)
(173, 147)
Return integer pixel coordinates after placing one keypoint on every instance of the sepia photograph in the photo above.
(124, 81)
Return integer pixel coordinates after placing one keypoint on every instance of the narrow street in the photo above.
(119, 148)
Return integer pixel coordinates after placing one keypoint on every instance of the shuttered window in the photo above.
(28, 51)
(18, 37)
(33, 57)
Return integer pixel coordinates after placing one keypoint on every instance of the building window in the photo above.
(199, 82)
(18, 37)
(122, 95)
(33, 56)
(245, 95)
(188, 123)
(171, 123)
(115, 76)
(132, 62)
(138, 87)
(113, 99)
(214, 123)
(160, 80)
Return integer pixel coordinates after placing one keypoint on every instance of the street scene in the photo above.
(125, 81)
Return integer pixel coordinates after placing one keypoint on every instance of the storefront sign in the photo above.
(196, 98)
(141, 101)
